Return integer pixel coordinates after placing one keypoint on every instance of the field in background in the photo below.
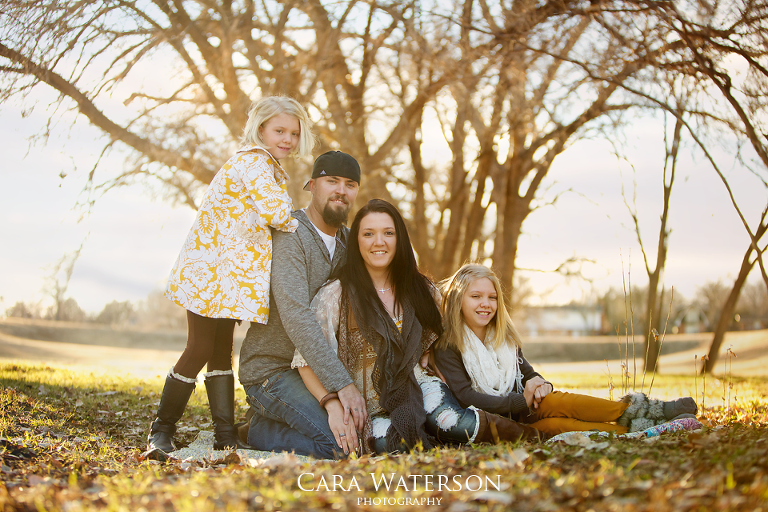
(149, 353)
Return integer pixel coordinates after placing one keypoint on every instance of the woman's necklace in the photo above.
(383, 289)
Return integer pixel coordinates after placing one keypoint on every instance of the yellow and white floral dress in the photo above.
(224, 267)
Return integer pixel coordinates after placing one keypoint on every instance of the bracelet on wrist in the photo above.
(327, 398)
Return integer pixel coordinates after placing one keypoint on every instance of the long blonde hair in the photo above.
(265, 109)
(453, 289)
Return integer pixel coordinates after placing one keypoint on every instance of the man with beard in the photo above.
(286, 417)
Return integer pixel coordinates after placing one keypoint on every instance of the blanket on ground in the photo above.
(201, 450)
(670, 426)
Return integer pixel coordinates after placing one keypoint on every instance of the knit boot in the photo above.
(644, 412)
(173, 401)
(221, 400)
(494, 429)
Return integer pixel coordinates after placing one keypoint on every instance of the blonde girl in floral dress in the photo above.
(223, 271)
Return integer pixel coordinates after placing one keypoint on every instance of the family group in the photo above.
(351, 348)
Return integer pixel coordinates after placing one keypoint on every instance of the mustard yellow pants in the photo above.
(565, 412)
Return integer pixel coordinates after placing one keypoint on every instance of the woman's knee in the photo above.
(450, 421)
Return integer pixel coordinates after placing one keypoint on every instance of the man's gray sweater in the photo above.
(301, 264)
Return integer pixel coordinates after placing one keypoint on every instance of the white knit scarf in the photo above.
(493, 371)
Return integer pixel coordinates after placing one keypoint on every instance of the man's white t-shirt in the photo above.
(330, 241)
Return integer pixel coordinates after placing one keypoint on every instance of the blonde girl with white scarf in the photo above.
(480, 356)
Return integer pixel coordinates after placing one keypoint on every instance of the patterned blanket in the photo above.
(670, 426)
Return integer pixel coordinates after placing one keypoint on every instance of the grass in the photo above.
(72, 441)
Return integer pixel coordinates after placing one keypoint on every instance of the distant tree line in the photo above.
(627, 312)
(154, 312)
(622, 313)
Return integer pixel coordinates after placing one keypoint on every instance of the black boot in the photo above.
(172, 404)
(221, 400)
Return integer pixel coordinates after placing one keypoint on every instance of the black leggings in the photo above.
(209, 341)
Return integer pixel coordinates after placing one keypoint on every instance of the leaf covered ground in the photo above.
(73, 440)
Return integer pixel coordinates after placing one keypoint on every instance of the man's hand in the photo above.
(353, 403)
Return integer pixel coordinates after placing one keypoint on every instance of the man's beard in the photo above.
(332, 216)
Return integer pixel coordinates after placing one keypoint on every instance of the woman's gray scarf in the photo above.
(397, 354)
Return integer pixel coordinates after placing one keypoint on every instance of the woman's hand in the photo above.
(535, 391)
(345, 434)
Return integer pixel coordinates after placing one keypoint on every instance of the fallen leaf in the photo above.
(577, 439)
(493, 496)
(287, 460)
(35, 480)
(703, 440)
(495, 464)
(517, 456)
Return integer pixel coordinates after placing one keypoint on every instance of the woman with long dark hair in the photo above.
(380, 313)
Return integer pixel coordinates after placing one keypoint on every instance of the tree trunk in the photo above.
(653, 310)
(726, 315)
(652, 347)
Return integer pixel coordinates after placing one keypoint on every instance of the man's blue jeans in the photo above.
(289, 418)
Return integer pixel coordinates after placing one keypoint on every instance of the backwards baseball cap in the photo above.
(335, 163)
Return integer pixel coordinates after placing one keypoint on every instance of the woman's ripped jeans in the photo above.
(447, 421)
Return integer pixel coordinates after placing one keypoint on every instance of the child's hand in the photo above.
(541, 391)
(535, 391)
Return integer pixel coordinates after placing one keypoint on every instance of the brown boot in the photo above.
(494, 429)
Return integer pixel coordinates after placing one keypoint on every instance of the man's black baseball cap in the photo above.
(335, 163)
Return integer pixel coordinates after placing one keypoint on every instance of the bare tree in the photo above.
(512, 84)
(709, 43)
(654, 298)
(115, 313)
(216, 56)
(753, 306)
(22, 309)
(710, 298)
(716, 38)
(524, 92)
(57, 283)
(726, 313)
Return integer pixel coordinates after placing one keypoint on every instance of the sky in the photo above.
(131, 239)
